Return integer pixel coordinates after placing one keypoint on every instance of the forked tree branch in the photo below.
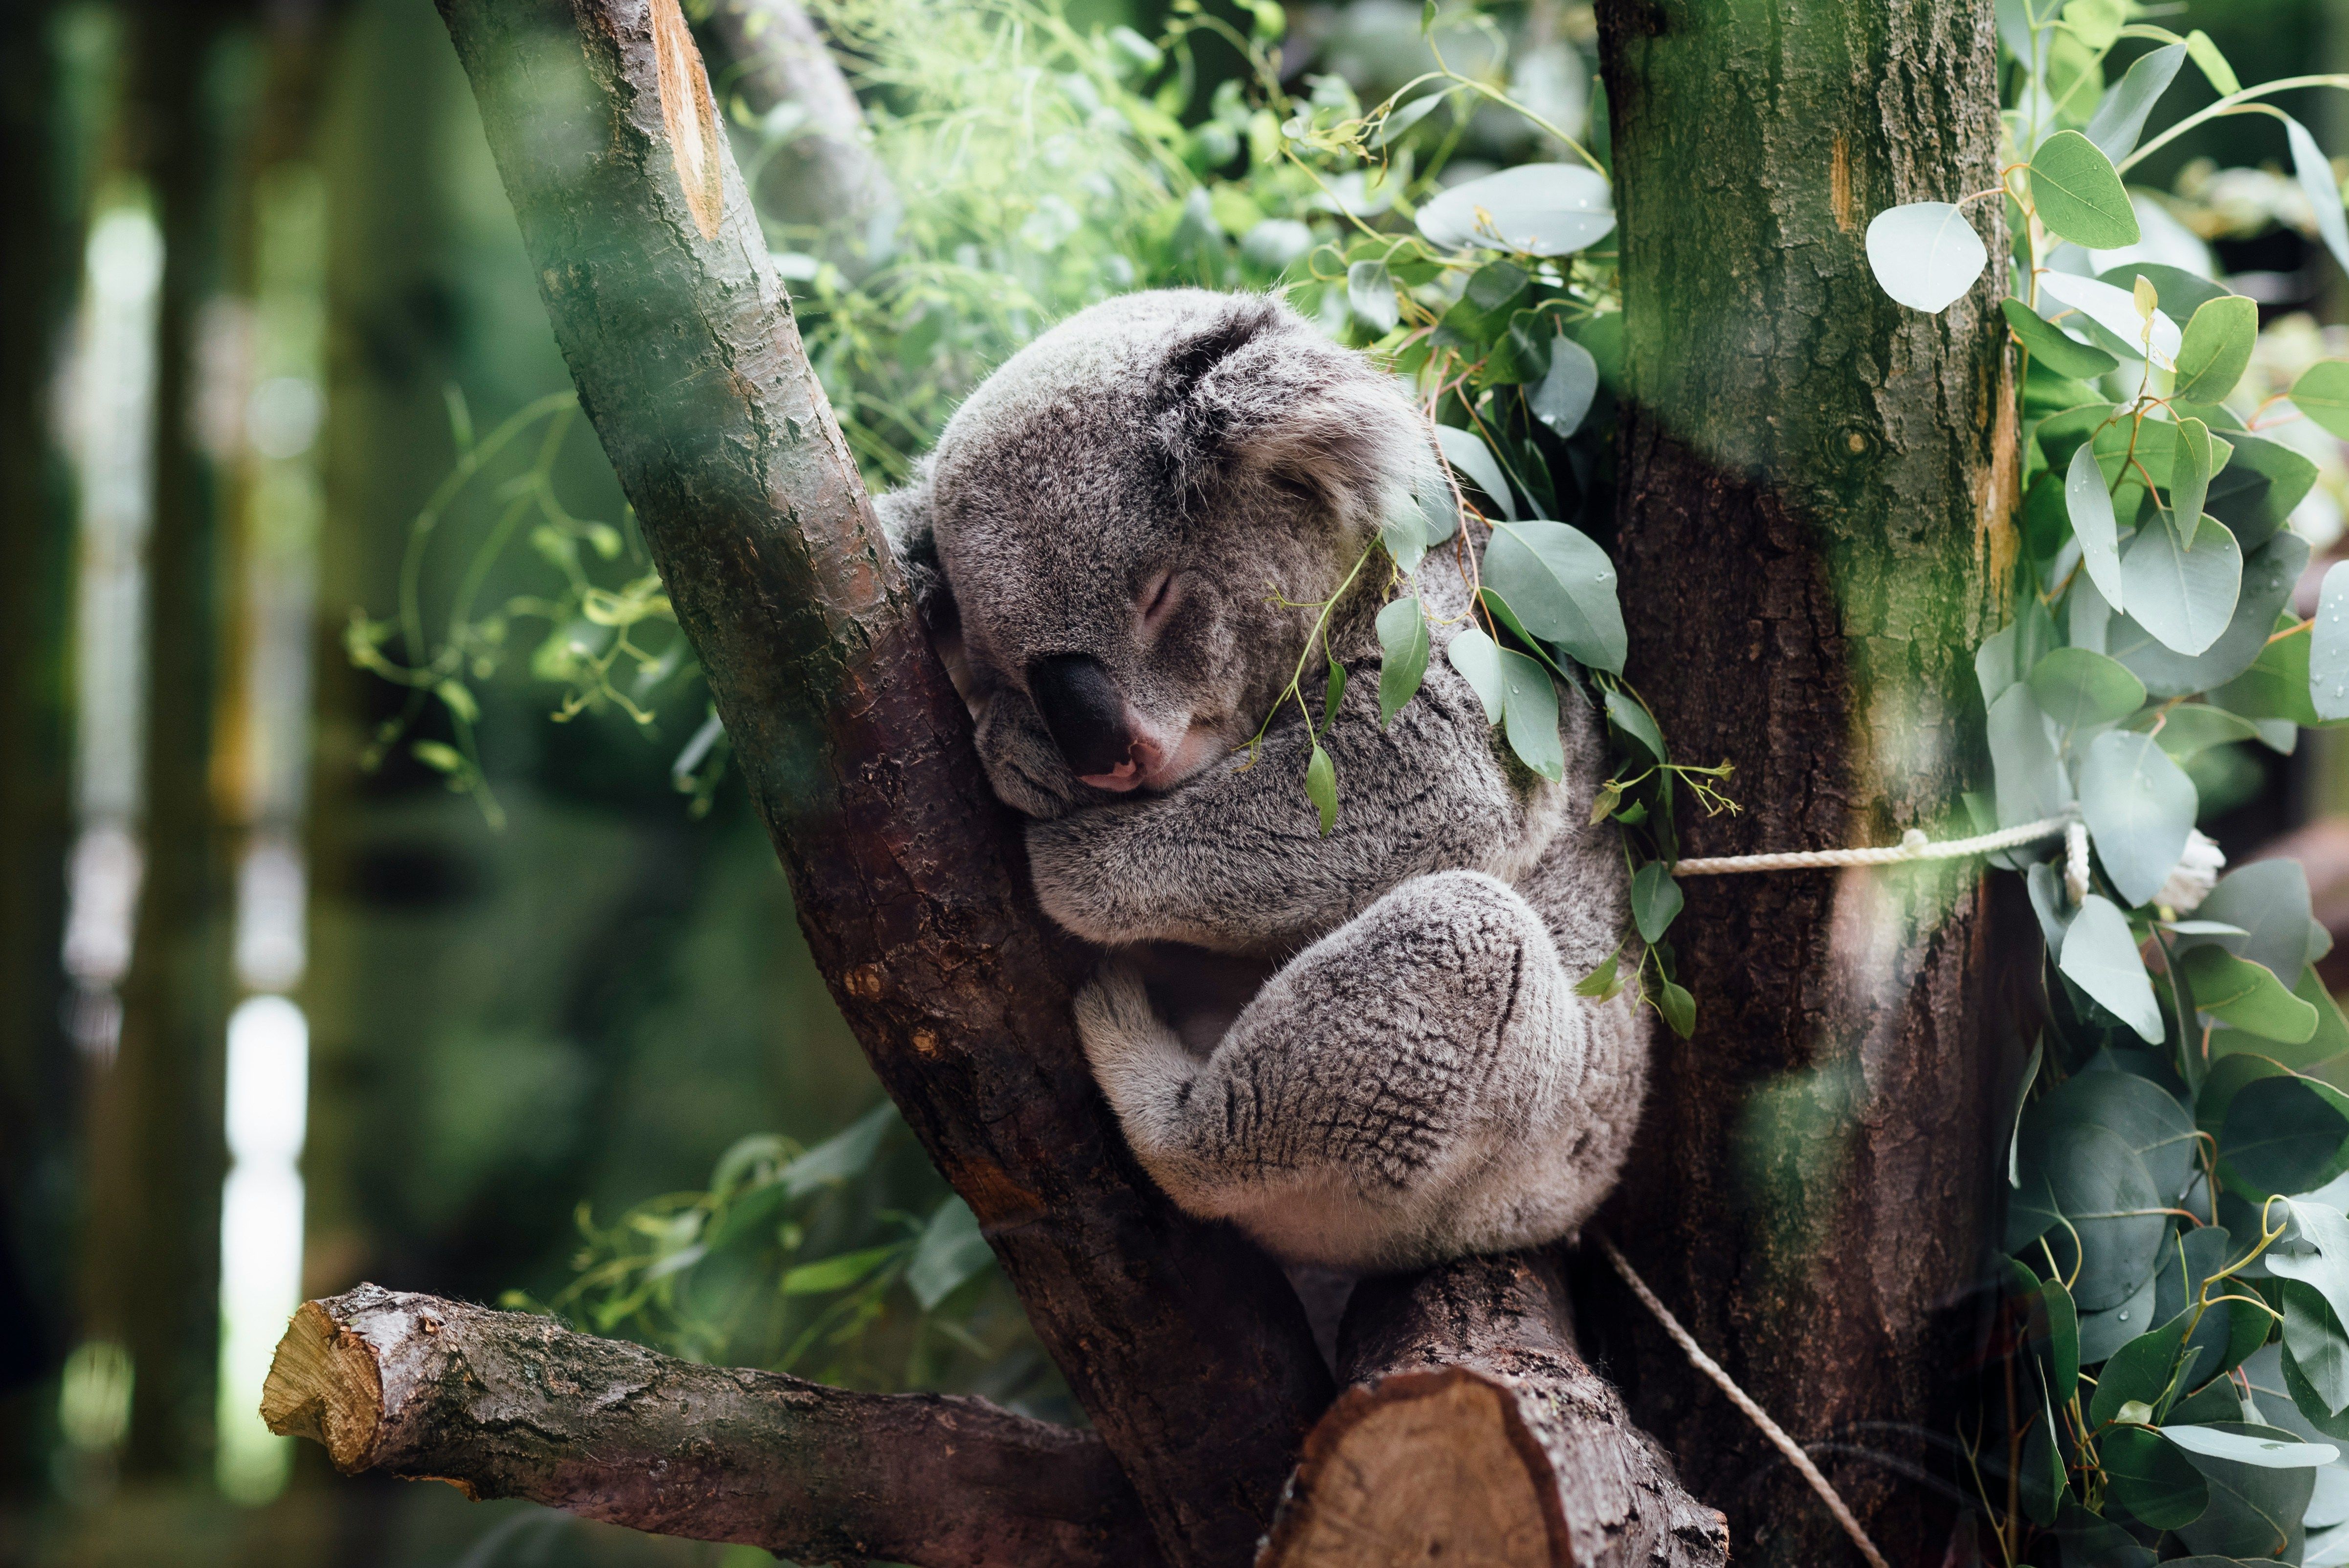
(500, 1404)
(1185, 1345)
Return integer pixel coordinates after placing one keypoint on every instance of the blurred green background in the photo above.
(257, 283)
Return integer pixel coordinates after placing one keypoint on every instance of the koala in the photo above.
(1364, 1050)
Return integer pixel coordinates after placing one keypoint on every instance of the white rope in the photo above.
(1738, 1396)
(1913, 846)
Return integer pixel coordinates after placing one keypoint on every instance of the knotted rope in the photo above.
(1913, 846)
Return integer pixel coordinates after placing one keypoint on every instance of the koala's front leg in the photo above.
(1421, 1083)
(1236, 862)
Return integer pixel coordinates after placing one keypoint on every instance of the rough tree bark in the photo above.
(1473, 1432)
(1815, 486)
(500, 1404)
(1186, 1347)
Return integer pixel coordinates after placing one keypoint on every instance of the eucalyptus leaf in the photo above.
(2083, 690)
(2215, 349)
(2112, 313)
(2031, 783)
(2254, 1446)
(1403, 118)
(2280, 1136)
(842, 1156)
(2193, 730)
(1656, 900)
(2182, 293)
(1404, 532)
(2100, 958)
(2258, 486)
(2051, 346)
(1535, 209)
(2139, 807)
(2151, 1480)
(1925, 254)
(2137, 1373)
(1371, 293)
(2185, 598)
(1562, 398)
(2120, 118)
(951, 1251)
(1530, 709)
(2078, 196)
(2247, 996)
(2102, 1333)
(2254, 1509)
(1465, 450)
(2214, 67)
(1321, 786)
(2139, 1112)
(2314, 172)
(1678, 1008)
(1628, 715)
(2328, 646)
(1561, 586)
(2269, 573)
(2323, 393)
(2313, 1333)
(2268, 901)
(1402, 650)
(2193, 459)
(2090, 505)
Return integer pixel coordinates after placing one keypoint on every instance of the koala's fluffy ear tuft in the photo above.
(1259, 397)
(905, 519)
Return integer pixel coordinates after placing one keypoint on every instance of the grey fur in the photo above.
(1415, 1077)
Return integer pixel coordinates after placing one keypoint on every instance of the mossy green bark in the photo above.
(1815, 486)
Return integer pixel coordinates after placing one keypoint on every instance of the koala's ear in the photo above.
(1258, 397)
(906, 518)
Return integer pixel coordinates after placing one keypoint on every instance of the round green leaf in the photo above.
(2078, 196)
(2100, 958)
(2323, 393)
(2196, 455)
(951, 1251)
(2268, 901)
(2050, 346)
(2217, 348)
(2259, 487)
(2186, 598)
(1561, 586)
(2280, 1135)
(1925, 254)
(2140, 1111)
(1535, 208)
(2269, 573)
(2253, 1445)
(2189, 731)
(2081, 690)
(2150, 1480)
(2109, 315)
(2140, 807)
(2247, 996)
(1626, 713)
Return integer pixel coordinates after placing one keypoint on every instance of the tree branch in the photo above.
(1184, 1344)
(1474, 1433)
(500, 1404)
(825, 176)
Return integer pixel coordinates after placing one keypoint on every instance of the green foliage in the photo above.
(2180, 1260)
(802, 1261)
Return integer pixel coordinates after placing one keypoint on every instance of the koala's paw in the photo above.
(1136, 1057)
(1074, 863)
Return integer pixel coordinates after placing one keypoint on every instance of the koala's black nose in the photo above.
(1084, 711)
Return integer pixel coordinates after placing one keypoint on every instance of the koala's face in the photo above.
(1118, 511)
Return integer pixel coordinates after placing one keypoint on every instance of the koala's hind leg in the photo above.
(1411, 1087)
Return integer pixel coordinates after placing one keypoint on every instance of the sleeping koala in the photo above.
(1366, 1048)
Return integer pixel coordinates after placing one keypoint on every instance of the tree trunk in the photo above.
(500, 1404)
(1472, 1433)
(1184, 1344)
(1816, 487)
